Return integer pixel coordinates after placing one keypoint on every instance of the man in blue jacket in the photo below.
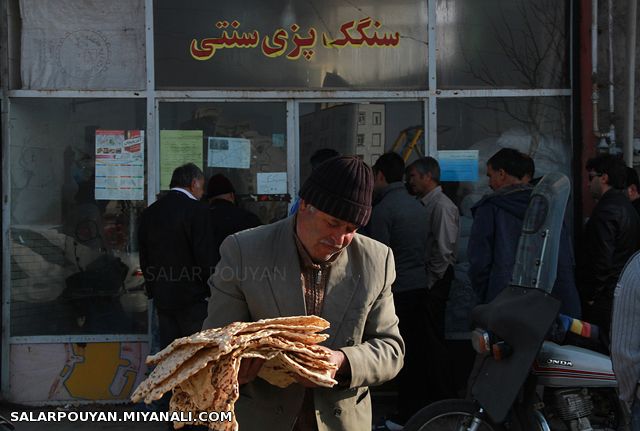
(497, 222)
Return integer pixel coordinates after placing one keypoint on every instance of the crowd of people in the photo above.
(372, 250)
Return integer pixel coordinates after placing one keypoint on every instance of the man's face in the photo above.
(632, 192)
(497, 178)
(379, 181)
(197, 188)
(322, 234)
(418, 182)
(596, 184)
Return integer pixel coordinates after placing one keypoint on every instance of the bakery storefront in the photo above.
(102, 100)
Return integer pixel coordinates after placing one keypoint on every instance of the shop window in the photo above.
(523, 45)
(364, 140)
(74, 254)
(246, 142)
(535, 126)
(376, 140)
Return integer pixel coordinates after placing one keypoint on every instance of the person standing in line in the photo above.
(175, 254)
(443, 226)
(398, 221)
(633, 188)
(497, 223)
(316, 158)
(227, 217)
(611, 236)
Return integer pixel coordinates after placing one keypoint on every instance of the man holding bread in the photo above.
(315, 264)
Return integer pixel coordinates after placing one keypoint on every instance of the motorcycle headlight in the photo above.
(481, 341)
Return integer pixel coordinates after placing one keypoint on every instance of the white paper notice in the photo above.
(229, 153)
(272, 183)
(119, 165)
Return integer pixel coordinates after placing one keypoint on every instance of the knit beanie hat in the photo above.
(219, 185)
(342, 187)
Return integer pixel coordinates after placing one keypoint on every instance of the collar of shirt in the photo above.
(186, 192)
(431, 195)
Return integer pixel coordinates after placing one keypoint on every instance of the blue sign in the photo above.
(458, 165)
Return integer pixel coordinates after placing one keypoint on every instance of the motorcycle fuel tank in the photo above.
(566, 366)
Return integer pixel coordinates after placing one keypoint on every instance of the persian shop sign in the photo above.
(294, 44)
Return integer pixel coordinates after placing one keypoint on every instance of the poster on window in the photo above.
(119, 165)
(458, 165)
(229, 153)
(178, 147)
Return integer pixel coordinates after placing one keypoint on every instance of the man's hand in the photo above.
(249, 368)
(338, 358)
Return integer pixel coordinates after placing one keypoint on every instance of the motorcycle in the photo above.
(521, 381)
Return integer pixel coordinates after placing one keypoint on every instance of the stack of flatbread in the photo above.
(202, 369)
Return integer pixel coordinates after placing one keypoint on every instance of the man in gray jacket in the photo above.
(442, 223)
(315, 263)
(397, 220)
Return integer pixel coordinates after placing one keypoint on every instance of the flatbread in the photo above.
(202, 369)
(308, 324)
(277, 373)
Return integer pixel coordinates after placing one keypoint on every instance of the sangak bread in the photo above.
(303, 324)
(202, 369)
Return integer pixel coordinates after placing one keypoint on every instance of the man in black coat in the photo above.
(226, 217)
(612, 235)
(175, 254)
(633, 188)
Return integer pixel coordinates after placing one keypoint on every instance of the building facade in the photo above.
(102, 100)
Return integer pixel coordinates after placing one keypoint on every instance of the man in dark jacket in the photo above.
(497, 222)
(633, 188)
(226, 217)
(175, 254)
(611, 236)
(398, 220)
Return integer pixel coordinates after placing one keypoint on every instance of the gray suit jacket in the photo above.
(258, 277)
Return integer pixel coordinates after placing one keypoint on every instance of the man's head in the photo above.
(508, 167)
(190, 178)
(633, 184)
(388, 169)
(423, 175)
(219, 187)
(335, 202)
(323, 154)
(606, 172)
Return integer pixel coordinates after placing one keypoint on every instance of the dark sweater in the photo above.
(227, 219)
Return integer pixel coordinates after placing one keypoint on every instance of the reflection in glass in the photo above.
(502, 44)
(74, 260)
(242, 141)
(365, 129)
(535, 126)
